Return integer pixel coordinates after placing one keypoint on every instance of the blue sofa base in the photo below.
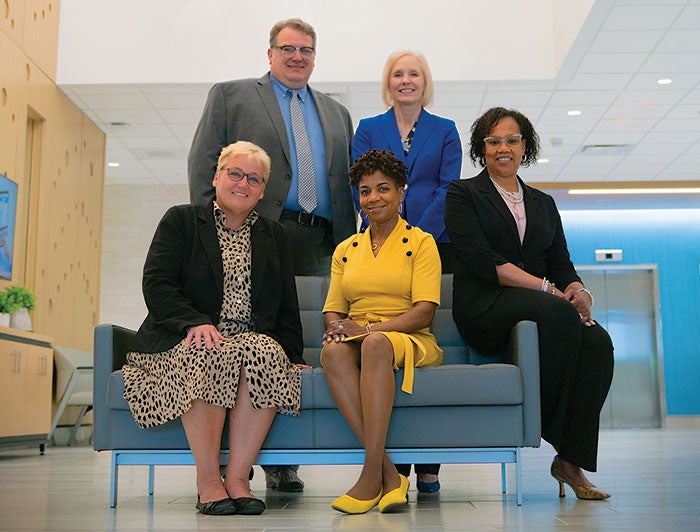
(473, 455)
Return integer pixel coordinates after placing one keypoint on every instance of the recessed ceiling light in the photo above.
(664, 81)
(581, 191)
(113, 165)
(573, 113)
(542, 160)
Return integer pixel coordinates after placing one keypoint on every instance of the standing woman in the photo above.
(222, 339)
(431, 149)
(427, 144)
(385, 287)
(513, 264)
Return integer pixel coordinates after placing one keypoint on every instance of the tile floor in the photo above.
(654, 475)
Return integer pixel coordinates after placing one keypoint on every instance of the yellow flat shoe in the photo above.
(396, 498)
(351, 505)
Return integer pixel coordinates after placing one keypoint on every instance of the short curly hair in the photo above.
(378, 160)
(482, 127)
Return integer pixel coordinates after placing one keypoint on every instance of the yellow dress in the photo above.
(373, 289)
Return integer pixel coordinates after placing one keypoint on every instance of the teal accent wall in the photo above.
(671, 239)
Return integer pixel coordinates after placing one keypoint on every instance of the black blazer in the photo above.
(484, 235)
(183, 281)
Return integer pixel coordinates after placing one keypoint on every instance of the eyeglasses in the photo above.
(510, 140)
(236, 174)
(288, 49)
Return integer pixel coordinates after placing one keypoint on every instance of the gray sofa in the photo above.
(472, 409)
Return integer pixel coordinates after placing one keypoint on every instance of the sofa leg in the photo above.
(151, 474)
(504, 486)
(518, 478)
(114, 481)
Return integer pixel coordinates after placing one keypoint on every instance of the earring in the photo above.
(400, 209)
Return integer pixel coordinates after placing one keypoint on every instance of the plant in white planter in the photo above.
(20, 302)
(5, 309)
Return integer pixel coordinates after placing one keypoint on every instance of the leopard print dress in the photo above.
(160, 387)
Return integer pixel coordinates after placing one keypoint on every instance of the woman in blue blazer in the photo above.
(427, 144)
(430, 148)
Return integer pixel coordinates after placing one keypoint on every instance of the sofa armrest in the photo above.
(112, 342)
(524, 351)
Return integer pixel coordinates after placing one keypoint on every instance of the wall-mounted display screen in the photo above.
(8, 210)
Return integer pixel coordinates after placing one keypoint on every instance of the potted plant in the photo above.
(6, 309)
(19, 301)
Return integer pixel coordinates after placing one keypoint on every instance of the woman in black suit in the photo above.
(222, 338)
(513, 264)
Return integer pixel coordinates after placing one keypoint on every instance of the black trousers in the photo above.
(312, 247)
(576, 366)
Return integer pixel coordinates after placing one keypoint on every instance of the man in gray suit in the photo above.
(258, 110)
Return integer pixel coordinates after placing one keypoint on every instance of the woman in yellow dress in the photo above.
(385, 287)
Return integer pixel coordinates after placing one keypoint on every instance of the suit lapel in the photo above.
(260, 243)
(424, 129)
(492, 195)
(391, 134)
(210, 243)
(269, 100)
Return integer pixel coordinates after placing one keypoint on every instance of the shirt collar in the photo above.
(285, 91)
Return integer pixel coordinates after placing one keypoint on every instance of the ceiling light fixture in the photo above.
(113, 165)
(584, 191)
(542, 160)
(574, 113)
(664, 81)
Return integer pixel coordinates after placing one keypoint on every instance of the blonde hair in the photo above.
(427, 75)
(247, 149)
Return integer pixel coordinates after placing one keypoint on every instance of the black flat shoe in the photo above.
(249, 506)
(221, 507)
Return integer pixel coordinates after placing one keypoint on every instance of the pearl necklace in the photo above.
(515, 198)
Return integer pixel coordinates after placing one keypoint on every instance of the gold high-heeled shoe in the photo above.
(351, 505)
(582, 492)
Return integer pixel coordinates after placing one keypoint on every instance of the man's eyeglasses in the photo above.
(288, 49)
(236, 174)
(510, 140)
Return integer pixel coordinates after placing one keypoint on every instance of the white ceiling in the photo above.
(610, 75)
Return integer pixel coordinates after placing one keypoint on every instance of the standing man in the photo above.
(308, 136)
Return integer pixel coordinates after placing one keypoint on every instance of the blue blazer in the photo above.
(434, 160)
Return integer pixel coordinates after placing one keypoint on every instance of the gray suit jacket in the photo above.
(247, 109)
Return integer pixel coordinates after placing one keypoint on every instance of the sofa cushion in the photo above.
(451, 385)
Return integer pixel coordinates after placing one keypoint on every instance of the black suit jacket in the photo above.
(484, 235)
(183, 281)
(247, 109)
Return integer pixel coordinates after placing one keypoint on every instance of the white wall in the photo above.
(130, 217)
(180, 41)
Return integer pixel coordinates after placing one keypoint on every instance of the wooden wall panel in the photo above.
(10, 97)
(40, 40)
(59, 218)
(12, 19)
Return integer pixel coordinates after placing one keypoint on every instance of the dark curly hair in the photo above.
(482, 127)
(378, 160)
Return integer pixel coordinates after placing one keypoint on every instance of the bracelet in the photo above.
(544, 287)
(589, 294)
(369, 328)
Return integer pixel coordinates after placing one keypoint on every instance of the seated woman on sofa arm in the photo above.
(222, 338)
(384, 289)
